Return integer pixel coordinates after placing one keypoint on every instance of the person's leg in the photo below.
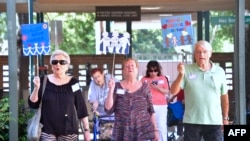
(248, 119)
(180, 128)
(192, 132)
(212, 132)
(161, 118)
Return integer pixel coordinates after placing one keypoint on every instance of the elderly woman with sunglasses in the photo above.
(62, 102)
(159, 88)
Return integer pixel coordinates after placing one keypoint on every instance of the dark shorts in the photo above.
(195, 132)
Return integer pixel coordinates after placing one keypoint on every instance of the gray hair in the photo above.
(60, 52)
(204, 44)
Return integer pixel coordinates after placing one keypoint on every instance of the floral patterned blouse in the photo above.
(132, 114)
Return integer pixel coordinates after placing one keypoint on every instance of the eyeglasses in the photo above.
(61, 62)
(201, 52)
(153, 70)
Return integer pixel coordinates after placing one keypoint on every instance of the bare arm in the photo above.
(110, 100)
(225, 107)
(153, 120)
(34, 95)
(156, 130)
(163, 90)
(175, 87)
(86, 131)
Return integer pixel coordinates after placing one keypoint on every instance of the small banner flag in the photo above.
(177, 31)
(35, 38)
(115, 42)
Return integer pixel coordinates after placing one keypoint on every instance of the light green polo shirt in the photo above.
(203, 90)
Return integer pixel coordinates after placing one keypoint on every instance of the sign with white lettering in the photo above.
(225, 20)
(236, 132)
(35, 39)
(118, 13)
(177, 31)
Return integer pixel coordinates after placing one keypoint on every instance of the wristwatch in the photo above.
(226, 118)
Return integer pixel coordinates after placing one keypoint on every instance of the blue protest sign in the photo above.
(115, 42)
(35, 38)
(177, 31)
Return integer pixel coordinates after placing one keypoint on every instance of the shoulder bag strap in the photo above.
(44, 86)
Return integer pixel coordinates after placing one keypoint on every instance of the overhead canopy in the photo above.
(147, 6)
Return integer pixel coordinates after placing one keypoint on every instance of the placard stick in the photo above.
(37, 65)
(113, 65)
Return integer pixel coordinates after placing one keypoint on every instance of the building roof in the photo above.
(147, 6)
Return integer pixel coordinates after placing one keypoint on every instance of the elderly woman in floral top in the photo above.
(130, 100)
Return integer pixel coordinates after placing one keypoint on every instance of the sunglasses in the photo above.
(153, 70)
(61, 62)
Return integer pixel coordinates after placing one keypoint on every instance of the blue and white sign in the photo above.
(35, 38)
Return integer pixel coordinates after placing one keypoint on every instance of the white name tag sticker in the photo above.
(192, 76)
(120, 91)
(160, 82)
(75, 87)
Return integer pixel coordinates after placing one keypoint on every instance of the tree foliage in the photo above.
(219, 34)
(148, 41)
(78, 32)
(3, 29)
(5, 117)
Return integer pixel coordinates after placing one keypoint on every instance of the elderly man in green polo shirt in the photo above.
(206, 98)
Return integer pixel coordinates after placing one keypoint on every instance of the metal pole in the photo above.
(207, 25)
(239, 62)
(199, 25)
(13, 74)
(31, 59)
(129, 30)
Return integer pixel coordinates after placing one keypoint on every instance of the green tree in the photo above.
(221, 33)
(148, 41)
(3, 29)
(78, 32)
(5, 117)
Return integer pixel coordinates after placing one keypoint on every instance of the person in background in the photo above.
(130, 100)
(180, 97)
(62, 102)
(159, 88)
(97, 93)
(206, 98)
(98, 90)
(174, 98)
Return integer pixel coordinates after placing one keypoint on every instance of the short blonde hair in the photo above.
(60, 52)
(204, 44)
(128, 59)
